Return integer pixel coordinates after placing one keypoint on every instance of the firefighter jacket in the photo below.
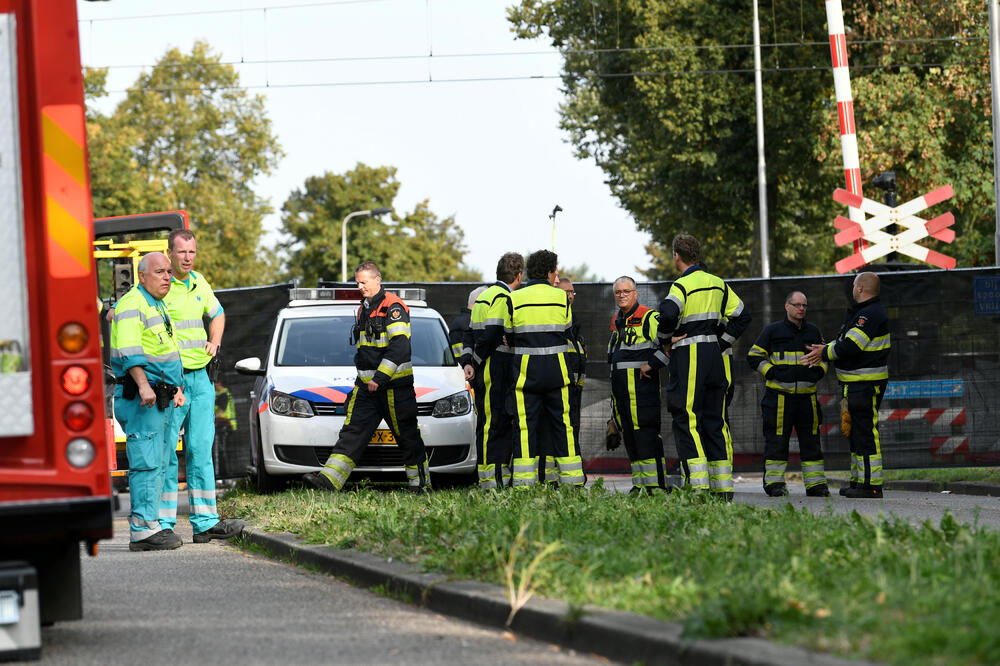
(382, 332)
(633, 343)
(143, 335)
(577, 356)
(696, 305)
(188, 302)
(861, 351)
(487, 325)
(776, 354)
(456, 332)
(538, 328)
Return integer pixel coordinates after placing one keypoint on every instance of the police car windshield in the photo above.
(321, 341)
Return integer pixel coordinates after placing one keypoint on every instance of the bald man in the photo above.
(860, 354)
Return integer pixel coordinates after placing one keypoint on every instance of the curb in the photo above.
(616, 635)
(973, 488)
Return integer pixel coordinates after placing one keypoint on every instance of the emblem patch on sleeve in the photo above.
(861, 321)
(394, 314)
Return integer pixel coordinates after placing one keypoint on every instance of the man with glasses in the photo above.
(636, 358)
(789, 401)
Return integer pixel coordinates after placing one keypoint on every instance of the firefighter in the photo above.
(146, 362)
(694, 307)
(460, 325)
(860, 355)
(789, 400)
(636, 358)
(578, 363)
(383, 388)
(189, 301)
(225, 409)
(487, 367)
(538, 328)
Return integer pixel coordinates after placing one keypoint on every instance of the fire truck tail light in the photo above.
(75, 380)
(73, 337)
(80, 452)
(78, 416)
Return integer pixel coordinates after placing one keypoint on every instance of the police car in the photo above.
(297, 405)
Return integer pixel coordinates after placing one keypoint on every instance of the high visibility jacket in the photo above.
(487, 325)
(633, 343)
(776, 354)
(188, 302)
(861, 351)
(225, 409)
(456, 332)
(142, 335)
(538, 328)
(382, 332)
(696, 305)
(577, 356)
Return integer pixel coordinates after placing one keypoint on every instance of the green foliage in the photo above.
(878, 589)
(581, 273)
(660, 95)
(186, 136)
(415, 246)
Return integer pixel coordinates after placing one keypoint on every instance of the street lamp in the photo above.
(343, 236)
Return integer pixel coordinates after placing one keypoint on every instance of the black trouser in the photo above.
(494, 421)
(637, 408)
(784, 412)
(863, 401)
(548, 471)
(366, 409)
(696, 393)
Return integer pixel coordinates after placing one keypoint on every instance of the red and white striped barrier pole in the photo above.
(845, 108)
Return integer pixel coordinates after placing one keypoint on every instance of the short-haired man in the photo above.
(383, 389)
(189, 301)
(149, 386)
(789, 400)
(860, 355)
(486, 360)
(694, 307)
(636, 358)
(538, 329)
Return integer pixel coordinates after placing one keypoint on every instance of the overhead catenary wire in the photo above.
(202, 12)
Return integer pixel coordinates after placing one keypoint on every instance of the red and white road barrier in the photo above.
(946, 447)
(845, 107)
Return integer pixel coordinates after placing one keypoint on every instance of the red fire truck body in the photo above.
(54, 457)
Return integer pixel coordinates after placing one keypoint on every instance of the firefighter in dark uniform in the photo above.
(636, 358)
(538, 328)
(383, 389)
(459, 326)
(486, 359)
(694, 307)
(790, 397)
(860, 355)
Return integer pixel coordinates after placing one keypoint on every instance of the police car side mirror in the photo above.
(250, 366)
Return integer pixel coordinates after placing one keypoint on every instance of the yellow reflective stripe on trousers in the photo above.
(813, 473)
(337, 469)
(727, 364)
(525, 472)
(815, 407)
(698, 473)
(633, 407)
(487, 402)
(487, 476)
(392, 410)
(774, 471)
(522, 417)
(350, 405)
(720, 476)
(570, 439)
(692, 383)
(780, 416)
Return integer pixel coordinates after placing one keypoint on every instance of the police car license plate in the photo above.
(383, 437)
(9, 612)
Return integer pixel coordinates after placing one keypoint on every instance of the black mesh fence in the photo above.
(941, 407)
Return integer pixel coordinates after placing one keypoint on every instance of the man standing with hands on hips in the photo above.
(189, 300)
(860, 355)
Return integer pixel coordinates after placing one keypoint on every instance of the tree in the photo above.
(581, 273)
(186, 136)
(660, 94)
(415, 246)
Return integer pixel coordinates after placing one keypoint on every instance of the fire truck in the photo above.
(55, 489)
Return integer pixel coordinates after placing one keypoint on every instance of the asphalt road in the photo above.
(215, 604)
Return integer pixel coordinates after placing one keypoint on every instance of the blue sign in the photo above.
(938, 388)
(986, 295)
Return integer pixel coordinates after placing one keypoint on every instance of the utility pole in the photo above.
(765, 261)
(995, 86)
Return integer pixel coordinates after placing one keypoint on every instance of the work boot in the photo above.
(224, 529)
(319, 481)
(776, 490)
(844, 489)
(162, 540)
(820, 490)
(861, 492)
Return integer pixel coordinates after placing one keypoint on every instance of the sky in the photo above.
(439, 89)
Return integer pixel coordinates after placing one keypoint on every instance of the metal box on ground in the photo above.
(20, 627)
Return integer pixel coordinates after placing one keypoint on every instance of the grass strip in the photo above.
(854, 586)
(938, 474)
